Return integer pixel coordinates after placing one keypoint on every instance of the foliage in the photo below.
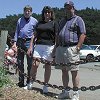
(91, 17)
(4, 80)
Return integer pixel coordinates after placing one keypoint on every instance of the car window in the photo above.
(99, 48)
(83, 46)
(86, 47)
(93, 47)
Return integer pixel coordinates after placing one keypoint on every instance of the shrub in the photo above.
(4, 80)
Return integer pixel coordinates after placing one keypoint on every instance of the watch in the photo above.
(78, 48)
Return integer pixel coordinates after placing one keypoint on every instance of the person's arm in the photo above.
(16, 35)
(81, 40)
(82, 37)
(56, 40)
(30, 50)
(33, 39)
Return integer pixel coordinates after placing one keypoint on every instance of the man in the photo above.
(24, 31)
(68, 44)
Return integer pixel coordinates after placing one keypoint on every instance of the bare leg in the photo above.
(65, 80)
(75, 78)
(33, 71)
(47, 73)
(65, 77)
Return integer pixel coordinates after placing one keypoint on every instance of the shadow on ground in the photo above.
(49, 94)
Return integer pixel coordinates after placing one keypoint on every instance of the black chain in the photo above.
(83, 88)
(62, 64)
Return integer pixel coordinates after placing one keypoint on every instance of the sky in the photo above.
(11, 7)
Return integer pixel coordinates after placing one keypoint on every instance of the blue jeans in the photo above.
(20, 61)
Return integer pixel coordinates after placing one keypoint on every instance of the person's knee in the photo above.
(75, 74)
(64, 71)
(47, 65)
(36, 63)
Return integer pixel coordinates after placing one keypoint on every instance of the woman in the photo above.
(46, 30)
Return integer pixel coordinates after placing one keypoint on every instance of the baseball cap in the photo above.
(69, 3)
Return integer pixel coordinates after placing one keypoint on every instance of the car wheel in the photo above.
(90, 58)
(98, 58)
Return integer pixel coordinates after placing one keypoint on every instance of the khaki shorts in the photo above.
(66, 55)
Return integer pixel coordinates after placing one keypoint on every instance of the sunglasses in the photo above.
(47, 12)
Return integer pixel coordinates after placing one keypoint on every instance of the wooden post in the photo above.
(3, 40)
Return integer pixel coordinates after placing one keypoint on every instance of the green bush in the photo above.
(4, 80)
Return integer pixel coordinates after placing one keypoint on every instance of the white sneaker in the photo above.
(75, 96)
(45, 89)
(26, 87)
(64, 95)
(29, 86)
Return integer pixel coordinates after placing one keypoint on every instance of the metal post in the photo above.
(3, 40)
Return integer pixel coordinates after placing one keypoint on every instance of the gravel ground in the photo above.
(15, 93)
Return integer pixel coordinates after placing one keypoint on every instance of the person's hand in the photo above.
(78, 48)
(14, 45)
(53, 55)
(29, 51)
(14, 48)
(53, 52)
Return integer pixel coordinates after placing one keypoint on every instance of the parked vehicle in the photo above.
(90, 52)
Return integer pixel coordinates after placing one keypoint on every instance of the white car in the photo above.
(90, 52)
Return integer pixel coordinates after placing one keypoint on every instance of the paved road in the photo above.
(89, 75)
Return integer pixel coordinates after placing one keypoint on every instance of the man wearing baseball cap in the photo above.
(69, 3)
(69, 41)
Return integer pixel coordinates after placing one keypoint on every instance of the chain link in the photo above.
(83, 88)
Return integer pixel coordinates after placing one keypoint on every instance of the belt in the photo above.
(25, 39)
(69, 44)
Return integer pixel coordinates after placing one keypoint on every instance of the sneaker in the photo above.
(45, 89)
(20, 84)
(64, 95)
(75, 96)
(29, 86)
(26, 88)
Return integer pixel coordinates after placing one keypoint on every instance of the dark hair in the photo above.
(48, 8)
(28, 7)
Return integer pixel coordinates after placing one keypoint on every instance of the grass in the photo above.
(4, 80)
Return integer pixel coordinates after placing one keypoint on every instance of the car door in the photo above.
(98, 50)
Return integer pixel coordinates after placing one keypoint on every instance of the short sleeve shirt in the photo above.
(71, 35)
